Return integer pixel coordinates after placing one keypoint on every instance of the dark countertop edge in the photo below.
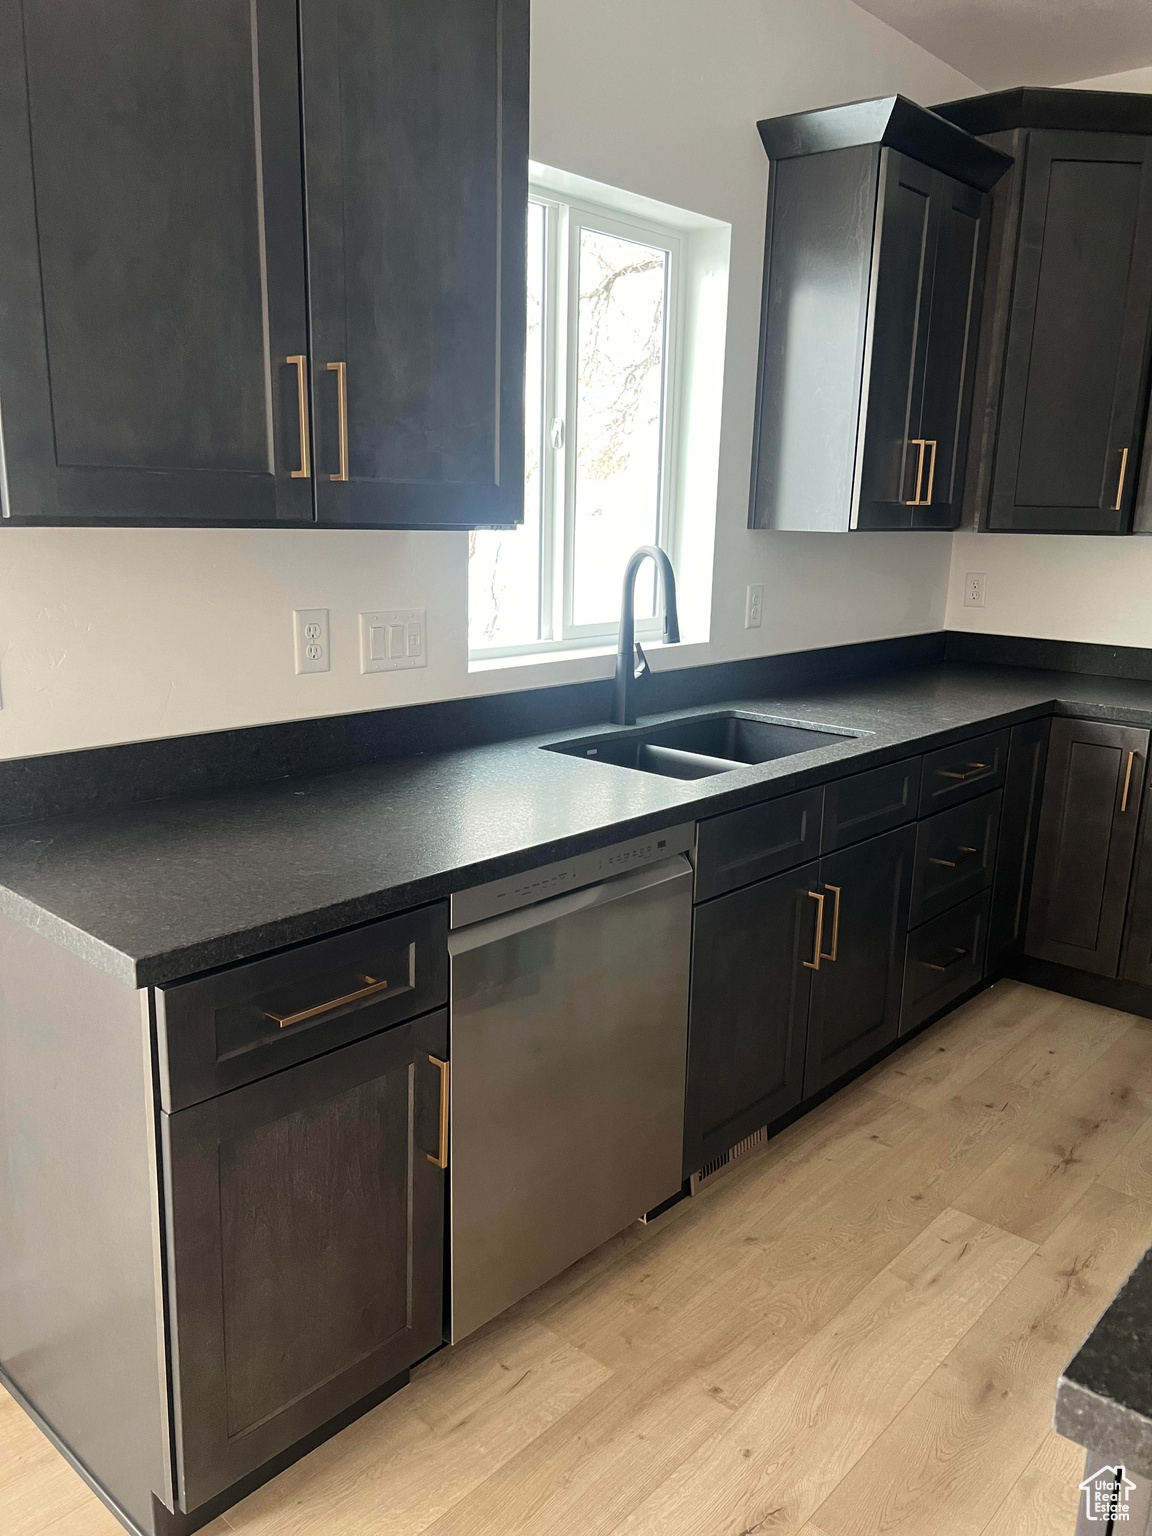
(239, 945)
(1101, 1425)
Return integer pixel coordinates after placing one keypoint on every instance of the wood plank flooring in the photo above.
(857, 1331)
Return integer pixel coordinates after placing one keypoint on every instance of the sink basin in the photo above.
(700, 746)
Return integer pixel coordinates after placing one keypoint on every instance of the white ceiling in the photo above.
(1000, 43)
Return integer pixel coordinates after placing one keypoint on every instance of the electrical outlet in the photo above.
(310, 626)
(974, 583)
(753, 607)
(393, 640)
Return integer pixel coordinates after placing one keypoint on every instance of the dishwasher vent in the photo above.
(719, 1164)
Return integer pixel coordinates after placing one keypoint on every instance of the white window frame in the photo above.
(565, 217)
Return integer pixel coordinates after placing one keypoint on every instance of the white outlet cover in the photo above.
(393, 640)
(974, 588)
(310, 631)
(754, 607)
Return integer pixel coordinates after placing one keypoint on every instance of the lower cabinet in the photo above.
(748, 1021)
(945, 959)
(855, 1009)
(1086, 844)
(305, 1230)
(1016, 849)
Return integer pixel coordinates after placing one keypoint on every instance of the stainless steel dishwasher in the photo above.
(569, 1029)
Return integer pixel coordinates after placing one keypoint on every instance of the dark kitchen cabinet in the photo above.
(752, 953)
(1063, 357)
(151, 262)
(1016, 847)
(183, 340)
(1093, 790)
(864, 382)
(416, 150)
(305, 1229)
(945, 959)
(856, 991)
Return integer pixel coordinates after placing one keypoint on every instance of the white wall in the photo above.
(1059, 587)
(113, 635)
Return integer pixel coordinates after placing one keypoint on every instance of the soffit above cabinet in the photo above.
(887, 120)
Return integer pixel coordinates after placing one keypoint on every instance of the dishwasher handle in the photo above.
(494, 929)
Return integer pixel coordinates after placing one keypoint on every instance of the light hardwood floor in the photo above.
(855, 1332)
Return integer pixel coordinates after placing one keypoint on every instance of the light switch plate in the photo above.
(393, 640)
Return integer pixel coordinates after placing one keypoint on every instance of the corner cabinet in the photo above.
(261, 265)
(865, 380)
(1058, 428)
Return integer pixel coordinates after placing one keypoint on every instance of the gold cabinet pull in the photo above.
(921, 443)
(370, 989)
(964, 853)
(814, 963)
(927, 502)
(445, 1072)
(957, 954)
(341, 372)
(1127, 783)
(300, 363)
(831, 955)
(1123, 472)
(972, 770)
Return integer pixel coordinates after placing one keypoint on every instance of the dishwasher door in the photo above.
(569, 1033)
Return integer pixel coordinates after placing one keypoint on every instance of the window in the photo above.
(602, 403)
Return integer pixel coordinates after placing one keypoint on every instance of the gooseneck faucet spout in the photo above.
(631, 663)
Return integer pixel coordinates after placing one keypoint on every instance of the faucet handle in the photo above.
(641, 668)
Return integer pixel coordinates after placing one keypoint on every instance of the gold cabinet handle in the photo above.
(831, 955)
(927, 502)
(370, 989)
(300, 363)
(814, 963)
(341, 372)
(1127, 783)
(964, 853)
(1123, 472)
(445, 1073)
(921, 443)
(972, 771)
(957, 954)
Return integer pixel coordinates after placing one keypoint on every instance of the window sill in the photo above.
(482, 663)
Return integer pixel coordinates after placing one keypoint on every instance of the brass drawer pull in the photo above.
(923, 443)
(300, 363)
(814, 963)
(957, 954)
(973, 770)
(965, 853)
(931, 472)
(341, 372)
(1127, 783)
(835, 889)
(1123, 472)
(445, 1073)
(370, 989)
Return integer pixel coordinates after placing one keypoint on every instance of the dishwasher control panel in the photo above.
(532, 885)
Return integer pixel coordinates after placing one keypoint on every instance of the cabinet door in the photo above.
(1075, 365)
(1016, 850)
(151, 262)
(856, 992)
(305, 1226)
(898, 334)
(954, 317)
(416, 147)
(1091, 807)
(749, 1011)
(1136, 964)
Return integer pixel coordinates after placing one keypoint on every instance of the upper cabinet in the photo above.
(875, 249)
(1058, 424)
(263, 266)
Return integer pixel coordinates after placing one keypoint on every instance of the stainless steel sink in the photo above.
(701, 745)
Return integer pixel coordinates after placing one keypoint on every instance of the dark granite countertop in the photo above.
(158, 891)
(1104, 1398)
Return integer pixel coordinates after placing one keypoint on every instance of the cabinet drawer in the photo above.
(955, 855)
(962, 771)
(251, 1020)
(945, 958)
(868, 803)
(762, 840)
